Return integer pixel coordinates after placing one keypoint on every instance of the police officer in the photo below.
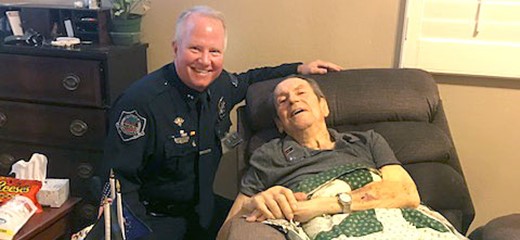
(165, 131)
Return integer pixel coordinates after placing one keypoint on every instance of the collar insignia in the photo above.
(288, 152)
(233, 79)
(178, 121)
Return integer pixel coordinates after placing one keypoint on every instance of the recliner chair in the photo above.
(404, 106)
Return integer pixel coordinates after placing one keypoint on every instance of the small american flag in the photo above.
(105, 194)
(134, 227)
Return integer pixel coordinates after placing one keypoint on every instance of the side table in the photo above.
(51, 224)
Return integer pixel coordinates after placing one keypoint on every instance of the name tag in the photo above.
(205, 151)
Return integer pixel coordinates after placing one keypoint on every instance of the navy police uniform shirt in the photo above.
(164, 138)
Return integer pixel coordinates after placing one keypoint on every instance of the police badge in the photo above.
(221, 108)
(130, 125)
(182, 138)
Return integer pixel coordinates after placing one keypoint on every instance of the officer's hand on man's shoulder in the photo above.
(318, 67)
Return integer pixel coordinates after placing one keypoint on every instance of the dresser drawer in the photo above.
(79, 128)
(51, 79)
(62, 163)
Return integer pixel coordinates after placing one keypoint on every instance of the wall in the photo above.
(272, 32)
(484, 117)
(483, 113)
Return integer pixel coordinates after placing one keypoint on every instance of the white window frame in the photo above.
(469, 37)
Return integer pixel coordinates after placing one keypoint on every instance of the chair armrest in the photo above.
(244, 131)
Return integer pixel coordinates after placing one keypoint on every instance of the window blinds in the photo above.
(472, 37)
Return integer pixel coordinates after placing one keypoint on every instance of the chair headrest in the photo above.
(359, 96)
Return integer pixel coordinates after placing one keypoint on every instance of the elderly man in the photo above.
(310, 149)
(165, 131)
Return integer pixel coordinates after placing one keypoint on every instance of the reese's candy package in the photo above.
(10, 187)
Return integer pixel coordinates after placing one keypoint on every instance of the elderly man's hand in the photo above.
(309, 209)
(274, 203)
(318, 67)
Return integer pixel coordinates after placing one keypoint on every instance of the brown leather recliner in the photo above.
(404, 106)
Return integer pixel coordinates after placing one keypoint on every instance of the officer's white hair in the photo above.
(202, 10)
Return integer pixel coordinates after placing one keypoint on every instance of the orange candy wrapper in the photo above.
(10, 187)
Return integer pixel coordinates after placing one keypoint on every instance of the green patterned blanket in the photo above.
(380, 223)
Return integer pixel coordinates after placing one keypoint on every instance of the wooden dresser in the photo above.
(55, 101)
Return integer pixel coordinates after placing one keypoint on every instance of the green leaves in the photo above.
(124, 8)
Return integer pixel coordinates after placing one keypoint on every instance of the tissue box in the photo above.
(54, 192)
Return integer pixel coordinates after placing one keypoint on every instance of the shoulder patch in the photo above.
(130, 125)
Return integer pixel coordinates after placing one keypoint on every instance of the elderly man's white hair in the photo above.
(202, 10)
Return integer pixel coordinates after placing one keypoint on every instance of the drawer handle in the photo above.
(78, 128)
(6, 160)
(85, 170)
(71, 82)
(3, 119)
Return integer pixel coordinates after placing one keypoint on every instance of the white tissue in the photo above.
(35, 169)
(54, 192)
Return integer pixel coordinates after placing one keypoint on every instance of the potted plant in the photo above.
(126, 20)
